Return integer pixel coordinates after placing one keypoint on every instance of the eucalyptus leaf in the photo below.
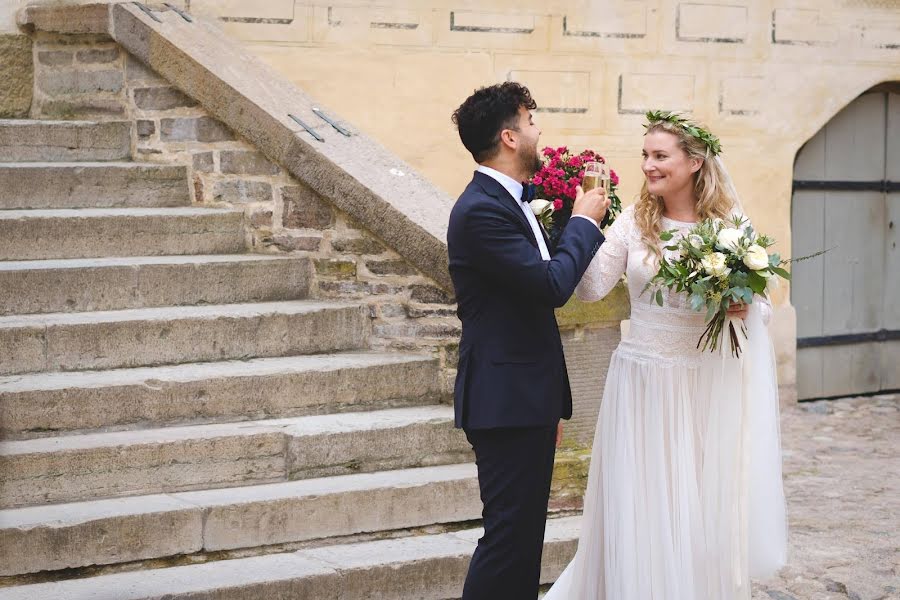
(757, 282)
(781, 272)
(711, 309)
(697, 301)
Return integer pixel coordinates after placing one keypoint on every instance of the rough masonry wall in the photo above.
(16, 75)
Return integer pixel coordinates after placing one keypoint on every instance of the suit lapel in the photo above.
(493, 188)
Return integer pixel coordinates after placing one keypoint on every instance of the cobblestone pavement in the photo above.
(842, 480)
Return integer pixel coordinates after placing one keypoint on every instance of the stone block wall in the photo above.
(16, 75)
(78, 77)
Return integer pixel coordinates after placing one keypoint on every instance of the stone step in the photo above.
(175, 335)
(427, 567)
(92, 185)
(101, 232)
(49, 538)
(151, 461)
(25, 140)
(28, 287)
(44, 404)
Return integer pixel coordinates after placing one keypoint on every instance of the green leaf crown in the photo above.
(689, 127)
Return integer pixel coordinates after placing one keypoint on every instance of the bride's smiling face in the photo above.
(668, 168)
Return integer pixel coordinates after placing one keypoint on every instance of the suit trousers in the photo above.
(515, 466)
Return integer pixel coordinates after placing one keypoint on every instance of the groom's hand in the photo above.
(559, 431)
(592, 204)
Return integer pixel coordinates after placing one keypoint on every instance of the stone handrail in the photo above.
(377, 189)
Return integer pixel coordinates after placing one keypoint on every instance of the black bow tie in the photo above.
(527, 192)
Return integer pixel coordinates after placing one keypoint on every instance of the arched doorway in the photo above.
(847, 196)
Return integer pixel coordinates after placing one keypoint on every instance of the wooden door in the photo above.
(846, 198)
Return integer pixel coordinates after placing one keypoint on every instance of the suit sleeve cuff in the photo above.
(587, 218)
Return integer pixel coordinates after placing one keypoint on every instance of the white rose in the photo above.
(695, 241)
(539, 206)
(714, 264)
(729, 238)
(756, 258)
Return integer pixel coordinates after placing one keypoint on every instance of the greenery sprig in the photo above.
(659, 116)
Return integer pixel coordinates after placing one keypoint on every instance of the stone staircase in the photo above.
(181, 419)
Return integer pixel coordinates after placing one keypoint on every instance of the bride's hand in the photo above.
(738, 311)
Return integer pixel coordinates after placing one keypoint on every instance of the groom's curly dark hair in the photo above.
(486, 113)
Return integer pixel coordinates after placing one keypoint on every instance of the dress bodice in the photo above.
(669, 332)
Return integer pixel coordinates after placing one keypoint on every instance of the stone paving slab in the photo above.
(119, 283)
(45, 404)
(92, 184)
(102, 465)
(172, 335)
(102, 232)
(428, 567)
(276, 576)
(30, 140)
(140, 527)
(842, 480)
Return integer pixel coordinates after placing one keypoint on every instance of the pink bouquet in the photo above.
(555, 185)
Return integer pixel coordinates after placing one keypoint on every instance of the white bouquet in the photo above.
(718, 263)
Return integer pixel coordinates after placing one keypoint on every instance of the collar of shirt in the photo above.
(512, 186)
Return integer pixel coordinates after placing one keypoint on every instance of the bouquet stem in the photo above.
(709, 340)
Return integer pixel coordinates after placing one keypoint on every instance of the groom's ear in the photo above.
(509, 138)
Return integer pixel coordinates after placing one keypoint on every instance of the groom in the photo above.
(511, 387)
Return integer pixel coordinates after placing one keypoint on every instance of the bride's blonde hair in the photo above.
(715, 194)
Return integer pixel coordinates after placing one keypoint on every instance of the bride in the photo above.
(684, 498)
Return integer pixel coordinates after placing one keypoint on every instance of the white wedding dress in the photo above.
(684, 499)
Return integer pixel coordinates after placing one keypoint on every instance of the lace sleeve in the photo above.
(609, 263)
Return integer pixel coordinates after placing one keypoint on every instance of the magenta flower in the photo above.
(560, 175)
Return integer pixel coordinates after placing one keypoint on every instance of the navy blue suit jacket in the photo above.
(512, 372)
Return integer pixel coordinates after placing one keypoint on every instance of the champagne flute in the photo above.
(596, 174)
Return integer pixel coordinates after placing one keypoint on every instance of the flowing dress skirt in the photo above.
(684, 498)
